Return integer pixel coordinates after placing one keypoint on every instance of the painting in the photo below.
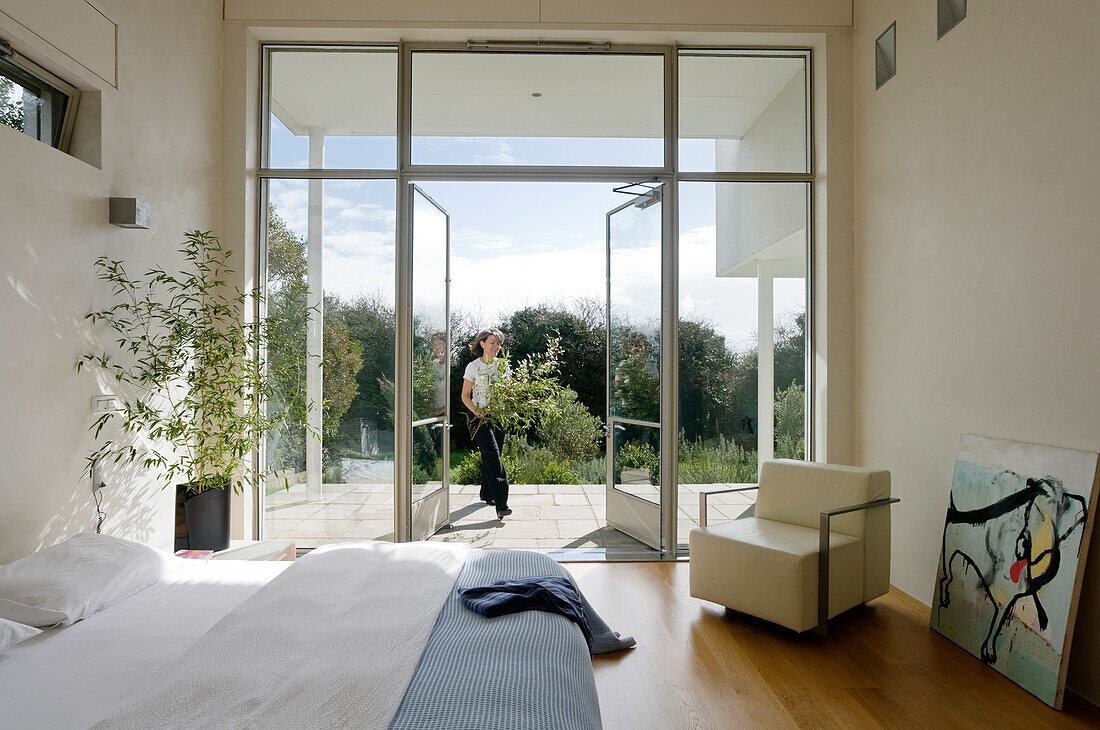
(1013, 555)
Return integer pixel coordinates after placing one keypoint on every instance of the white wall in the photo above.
(977, 172)
(161, 142)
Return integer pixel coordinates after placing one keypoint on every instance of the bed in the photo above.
(369, 635)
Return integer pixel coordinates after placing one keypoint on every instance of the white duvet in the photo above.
(331, 642)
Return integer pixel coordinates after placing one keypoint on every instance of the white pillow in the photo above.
(74, 579)
(12, 633)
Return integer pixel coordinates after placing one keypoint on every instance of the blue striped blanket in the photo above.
(528, 670)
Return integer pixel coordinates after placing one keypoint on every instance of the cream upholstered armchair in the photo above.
(814, 525)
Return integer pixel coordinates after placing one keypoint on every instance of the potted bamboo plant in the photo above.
(195, 399)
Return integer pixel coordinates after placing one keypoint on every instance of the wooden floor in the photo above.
(698, 666)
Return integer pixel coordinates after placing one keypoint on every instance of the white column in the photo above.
(315, 329)
(765, 388)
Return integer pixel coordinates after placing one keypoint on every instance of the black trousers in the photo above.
(494, 480)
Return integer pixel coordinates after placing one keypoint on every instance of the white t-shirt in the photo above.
(480, 373)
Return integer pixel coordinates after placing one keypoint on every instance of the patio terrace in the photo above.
(546, 517)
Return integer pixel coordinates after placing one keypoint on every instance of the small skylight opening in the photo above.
(949, 13)
(886, 65)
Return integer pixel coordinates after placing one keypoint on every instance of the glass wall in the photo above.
(741, 188)
(330, 262)
(742, 335)
(537, 109)
(744, 111)
(344, 99)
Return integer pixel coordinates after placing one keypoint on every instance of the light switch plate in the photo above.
(105, 404)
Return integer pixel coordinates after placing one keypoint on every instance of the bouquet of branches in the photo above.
(521, 396)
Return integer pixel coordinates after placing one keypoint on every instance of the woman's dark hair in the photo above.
(475, 346)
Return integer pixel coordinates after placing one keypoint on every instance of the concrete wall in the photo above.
(976, 257)
(158, 137)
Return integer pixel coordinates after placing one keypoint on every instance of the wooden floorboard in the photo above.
(699, 666)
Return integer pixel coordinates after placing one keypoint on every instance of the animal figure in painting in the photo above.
(1022, 534)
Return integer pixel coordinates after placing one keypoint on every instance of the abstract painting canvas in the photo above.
(1013, 555)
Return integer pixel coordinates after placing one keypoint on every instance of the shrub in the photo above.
(639, 456)
(790, 423)
(568, 428)
(540, 466)
(468, 470)
(715, 462)
(593, 471)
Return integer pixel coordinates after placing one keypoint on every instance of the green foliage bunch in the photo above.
(582, 327)
(186, 356)
(521, 396)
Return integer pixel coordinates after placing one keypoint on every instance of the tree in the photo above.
(288, 316)
(583, 357)
(11, 104)
(713, 394)
(790, 351)
(370, 321)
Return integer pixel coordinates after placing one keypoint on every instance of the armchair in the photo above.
(818, 545)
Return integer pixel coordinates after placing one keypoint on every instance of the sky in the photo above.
(518, 244)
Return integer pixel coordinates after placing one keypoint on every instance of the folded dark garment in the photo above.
(543, 593)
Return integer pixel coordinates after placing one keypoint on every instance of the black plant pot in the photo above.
(208, 519)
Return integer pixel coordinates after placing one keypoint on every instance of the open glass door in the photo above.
(431, 364)
(634, 233)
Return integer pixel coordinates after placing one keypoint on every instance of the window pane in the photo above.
(635, 311)
(356, 271)
(430, 360)
(30, 105)
(743, 113)
(742, 256)
(537, 109)
(342, 102)
(637, 461)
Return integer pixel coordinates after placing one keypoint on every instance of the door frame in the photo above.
(432, 511)
(630, 514)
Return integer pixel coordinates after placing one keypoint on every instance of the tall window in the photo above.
(744, 253)
(330, 247)
(729, 151)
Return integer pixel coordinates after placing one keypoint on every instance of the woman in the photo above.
(475, 395)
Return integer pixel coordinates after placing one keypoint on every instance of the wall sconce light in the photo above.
(129, 213)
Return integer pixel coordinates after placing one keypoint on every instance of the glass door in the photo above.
(634, 235)
(429, 228)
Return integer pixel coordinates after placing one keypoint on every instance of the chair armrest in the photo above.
(822, 627)
(706, 493)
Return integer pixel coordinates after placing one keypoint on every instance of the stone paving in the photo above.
(546, 517)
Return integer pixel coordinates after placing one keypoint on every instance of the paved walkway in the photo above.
(549, 517)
